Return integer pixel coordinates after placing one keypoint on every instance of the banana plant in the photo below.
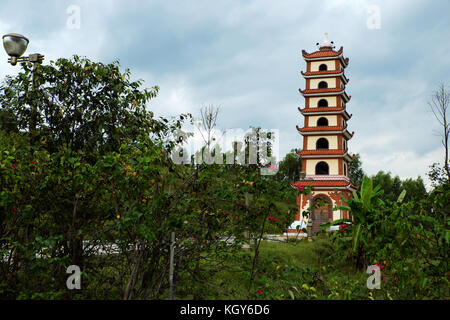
(361, 207)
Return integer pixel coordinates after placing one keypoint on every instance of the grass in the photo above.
(298, 253)
(285, 270)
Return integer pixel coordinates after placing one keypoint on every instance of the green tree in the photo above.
(415, 189)
(84, 105)
(290, 167)
(355, 171)
(386, 183)
(55, 194)
(437, 175)
(7, 120)
(82, 190)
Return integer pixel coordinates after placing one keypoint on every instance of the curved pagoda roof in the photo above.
(326, 53)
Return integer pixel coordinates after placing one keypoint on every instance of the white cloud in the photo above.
(246, 57)
(406, 164)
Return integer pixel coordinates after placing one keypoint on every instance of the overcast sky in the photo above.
(246, 57)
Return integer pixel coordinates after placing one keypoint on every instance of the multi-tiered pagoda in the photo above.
(325, 157)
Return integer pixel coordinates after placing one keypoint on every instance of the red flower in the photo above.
(240, 204)
(14, 209)
(14, 166)
(299, 187)
(33, 162)
(379, 266)
(275, 219)
(235, 217)
(259, 291)
(195, 236)
(343, 228)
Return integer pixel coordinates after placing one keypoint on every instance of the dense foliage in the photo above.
(92, 184)
(409, 240)
(87, 179)
(355, 171)
(290, 167)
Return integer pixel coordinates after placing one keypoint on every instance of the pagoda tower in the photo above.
(325, 156)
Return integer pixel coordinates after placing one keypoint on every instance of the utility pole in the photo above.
(172, 249)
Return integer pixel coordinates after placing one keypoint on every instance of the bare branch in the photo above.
(209, 115)
(440, 100)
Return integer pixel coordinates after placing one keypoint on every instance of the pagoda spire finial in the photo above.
(326, 45)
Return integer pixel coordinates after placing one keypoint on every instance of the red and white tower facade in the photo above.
(325, 157)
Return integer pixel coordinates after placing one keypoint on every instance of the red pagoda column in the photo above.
(325, 156)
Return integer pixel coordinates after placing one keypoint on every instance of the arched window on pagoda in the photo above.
(322, 168)
(323, 85)
(323, 67)
(322, 144)
(345, 169)
(323, 103)
(322, 122)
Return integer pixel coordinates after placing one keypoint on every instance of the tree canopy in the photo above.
(84, 105)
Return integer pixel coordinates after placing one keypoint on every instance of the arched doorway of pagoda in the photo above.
(322, 212)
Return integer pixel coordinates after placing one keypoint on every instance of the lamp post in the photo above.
(15, 46)
(309, 224)
(339, 193)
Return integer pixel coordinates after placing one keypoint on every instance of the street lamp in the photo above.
(15, 46)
